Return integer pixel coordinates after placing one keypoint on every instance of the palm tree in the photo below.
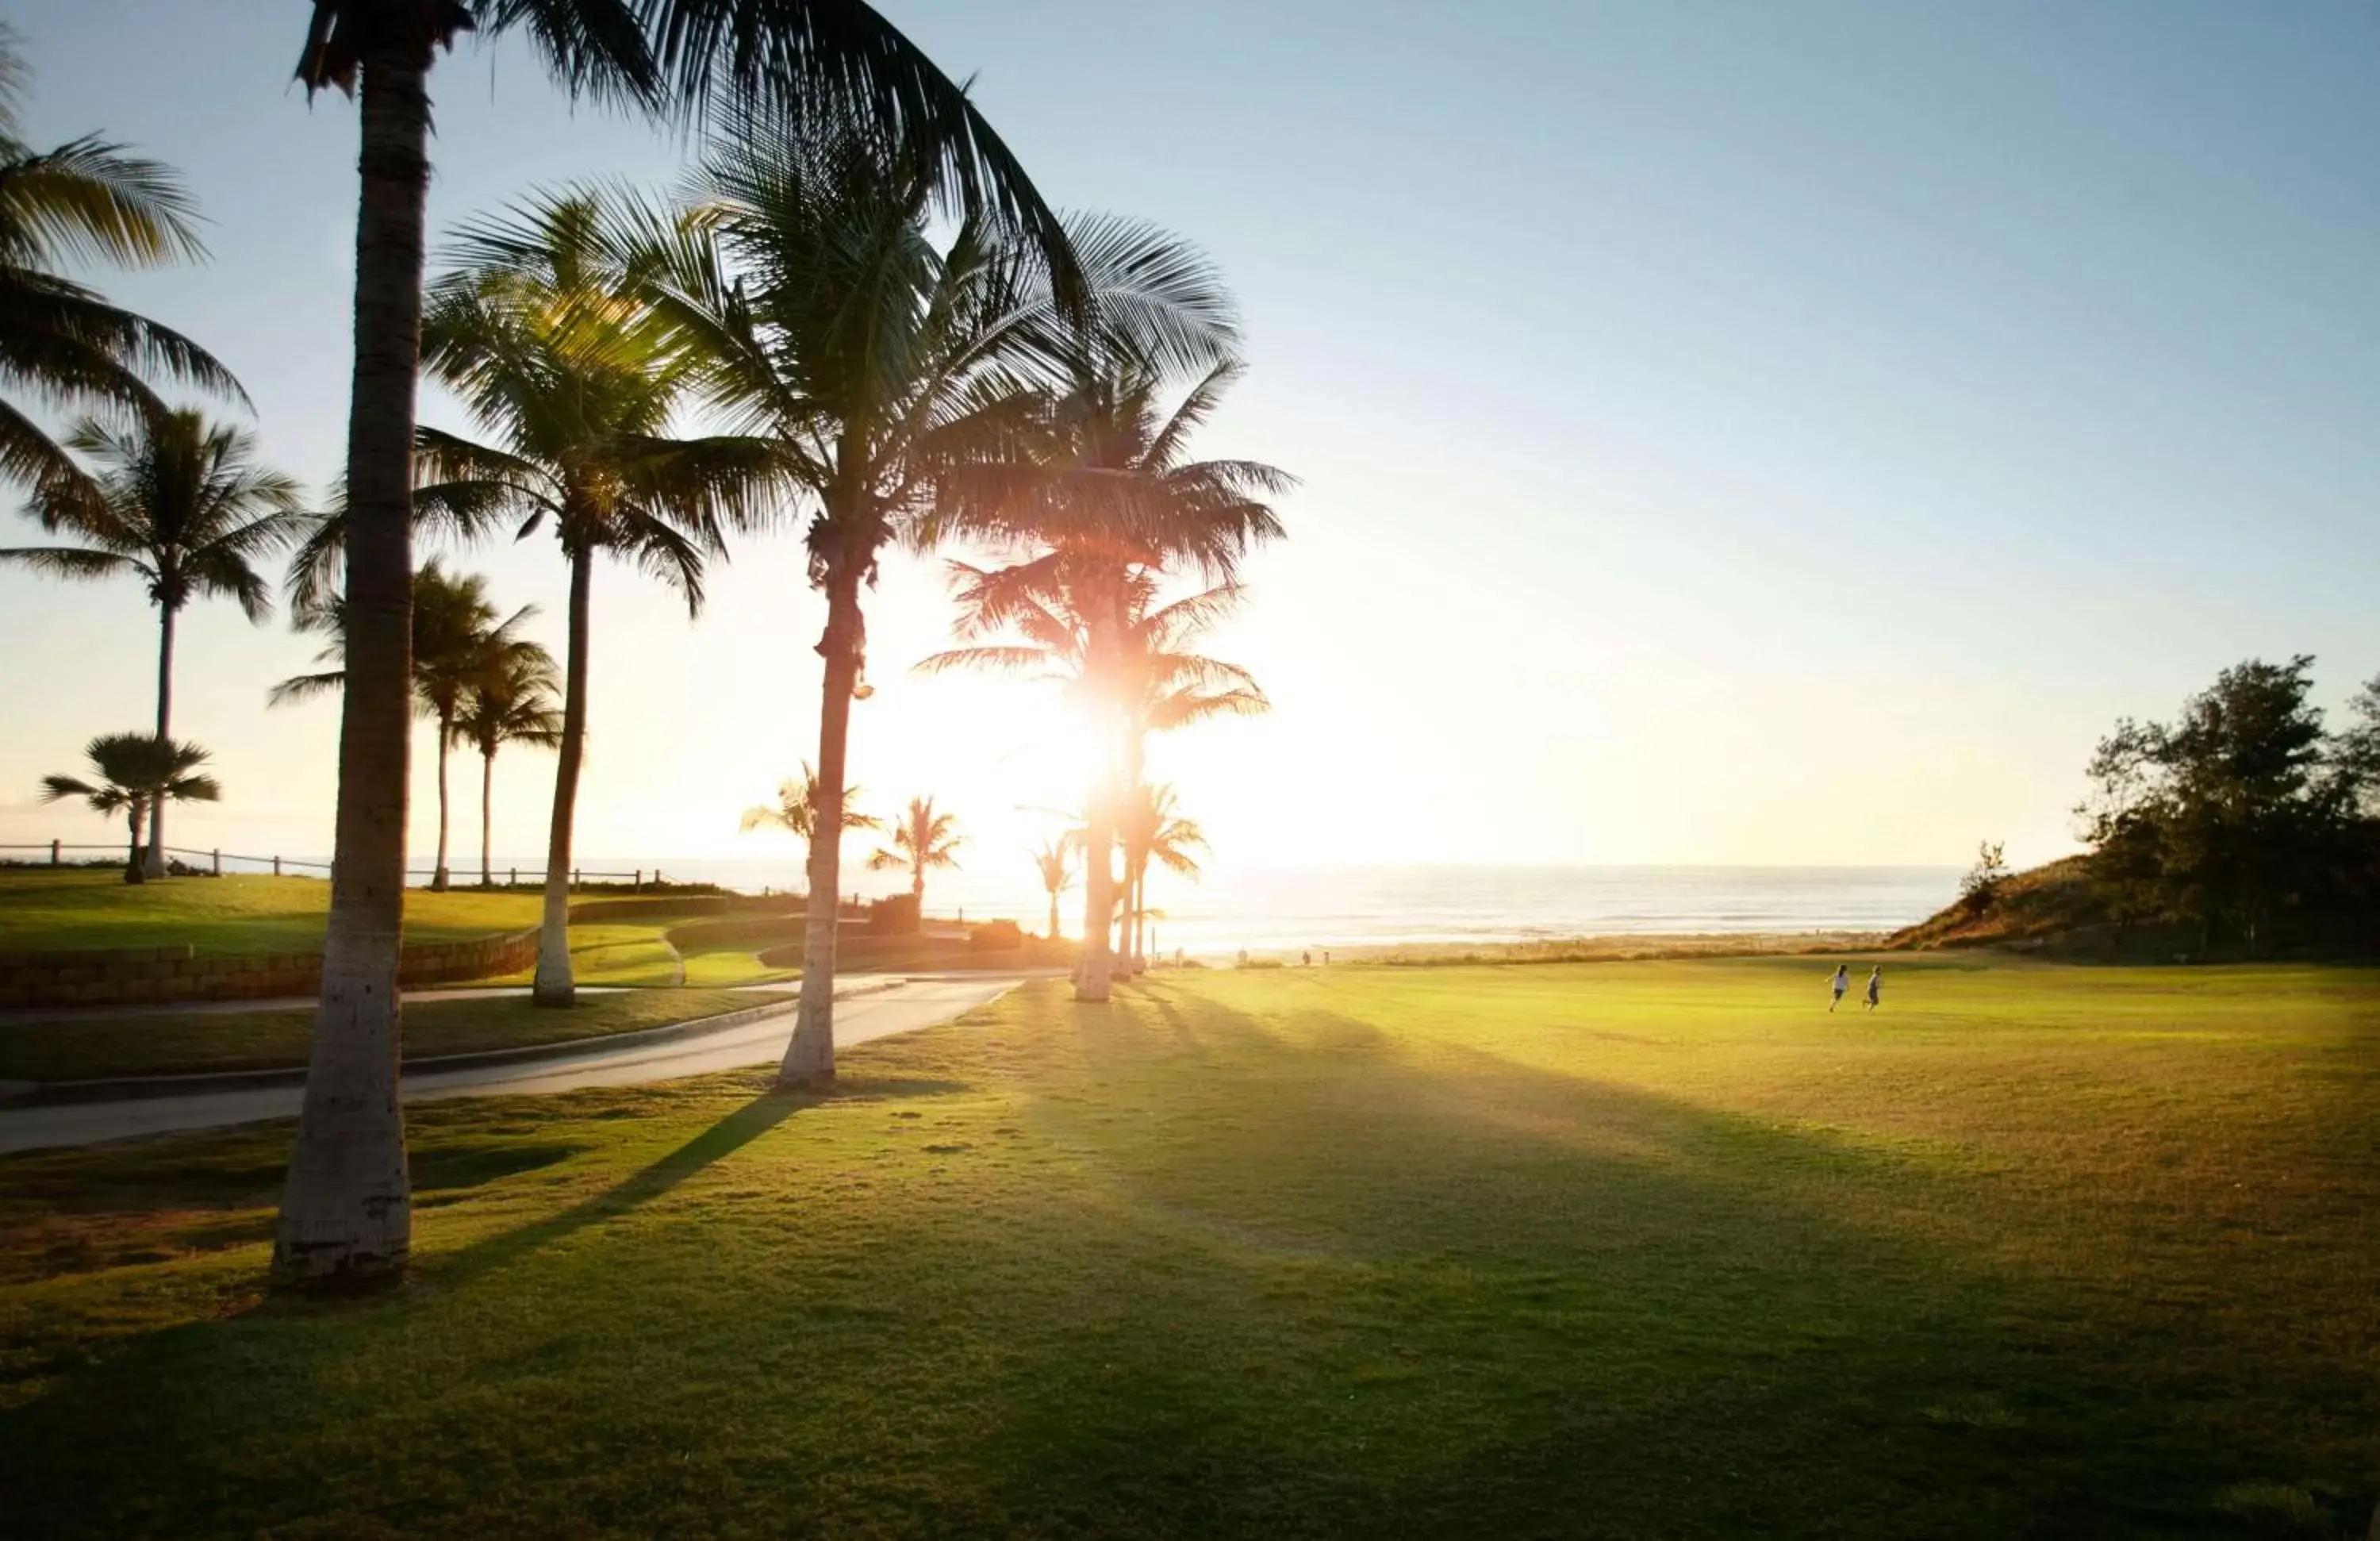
(797, 810)
(922, 840)
(60, 343)
(576, 383)
(137, 773)
(1105, 491)
(458, 643)
(1055, 863)
(512, 703)
(878, 361)
(346, 1207)
(1153, 830)
(182, 504)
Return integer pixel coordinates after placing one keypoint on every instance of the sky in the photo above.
(1727, 432)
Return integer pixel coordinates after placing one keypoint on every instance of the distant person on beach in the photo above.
(1842, 982)
(1305, 959)
(1875, 985)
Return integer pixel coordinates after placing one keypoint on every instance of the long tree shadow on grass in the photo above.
(1290, 1275)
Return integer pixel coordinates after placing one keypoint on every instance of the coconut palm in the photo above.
(61, 343)
(1055, 864)
(1106, 494)
(346, 1207)
(512, 702)
(878, 361)
(181, 504)
(574, 384)
(1155, 830)
(457, 643)
(137, 773)
(922, 841)
(797, 809)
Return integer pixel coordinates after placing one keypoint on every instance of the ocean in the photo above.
(1349, 906)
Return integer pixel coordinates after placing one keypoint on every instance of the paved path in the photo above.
(918, 1002)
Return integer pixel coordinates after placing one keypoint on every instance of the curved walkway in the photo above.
(916, 1003)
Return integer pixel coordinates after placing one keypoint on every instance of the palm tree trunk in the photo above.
(554, 986)
(809, 1057)
(438, 879)
(347, 1209)
(1053, 915)
(1099, 893)
(165, 728)
(132, 873)
(487, 796)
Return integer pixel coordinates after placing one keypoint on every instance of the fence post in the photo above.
(276, 866)
(54, 853)
(574, 877)
(512, 877)
(637, 880)
(218, 854)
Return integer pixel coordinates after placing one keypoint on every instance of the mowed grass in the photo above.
(1631, 1249)
(230, 917)
(177, 1043)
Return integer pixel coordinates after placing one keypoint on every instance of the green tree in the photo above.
(2223, 820)
(514, 702)
(61, 343)
(574, 380)
(179, 502)
(345, 1207)
(878, 359)
(459, 644)
(923, 841)
(135, 773)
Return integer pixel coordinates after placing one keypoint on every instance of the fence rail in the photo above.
(281, 865)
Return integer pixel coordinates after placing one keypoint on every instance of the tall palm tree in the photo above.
(512, 702)
(345, 1207)
(458, 643)
(1055, 862)
(922, 841)
(797, 810)
(878, 361)
(1155, 830)
(137, 773)
(181, 504)
(575, 382)
(61, 343)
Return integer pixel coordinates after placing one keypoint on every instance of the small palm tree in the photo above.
(1155, 830)
(457, 643)
(922, 841)
(797, 809)
(1055, 863)
(60, 342)
(136, 773)
(181, 504)
(512, 703)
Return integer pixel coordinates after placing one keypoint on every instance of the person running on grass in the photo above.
(1875, 985)
(1842, 982)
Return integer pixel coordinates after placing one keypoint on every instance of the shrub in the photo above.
(996, 936)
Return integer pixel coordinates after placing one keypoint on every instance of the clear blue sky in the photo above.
(1730, 432)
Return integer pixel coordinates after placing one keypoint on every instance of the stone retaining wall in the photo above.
(132, 975)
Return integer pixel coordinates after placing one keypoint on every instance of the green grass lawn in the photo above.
(179, 1043)
(233, 916)
(1631, 1250)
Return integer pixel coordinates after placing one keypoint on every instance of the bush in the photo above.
(996, 936)
(895, 917)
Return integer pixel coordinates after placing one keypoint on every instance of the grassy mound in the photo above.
(1630, 1249)
(167, 1043)
(233, 916)
(2050, 907)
